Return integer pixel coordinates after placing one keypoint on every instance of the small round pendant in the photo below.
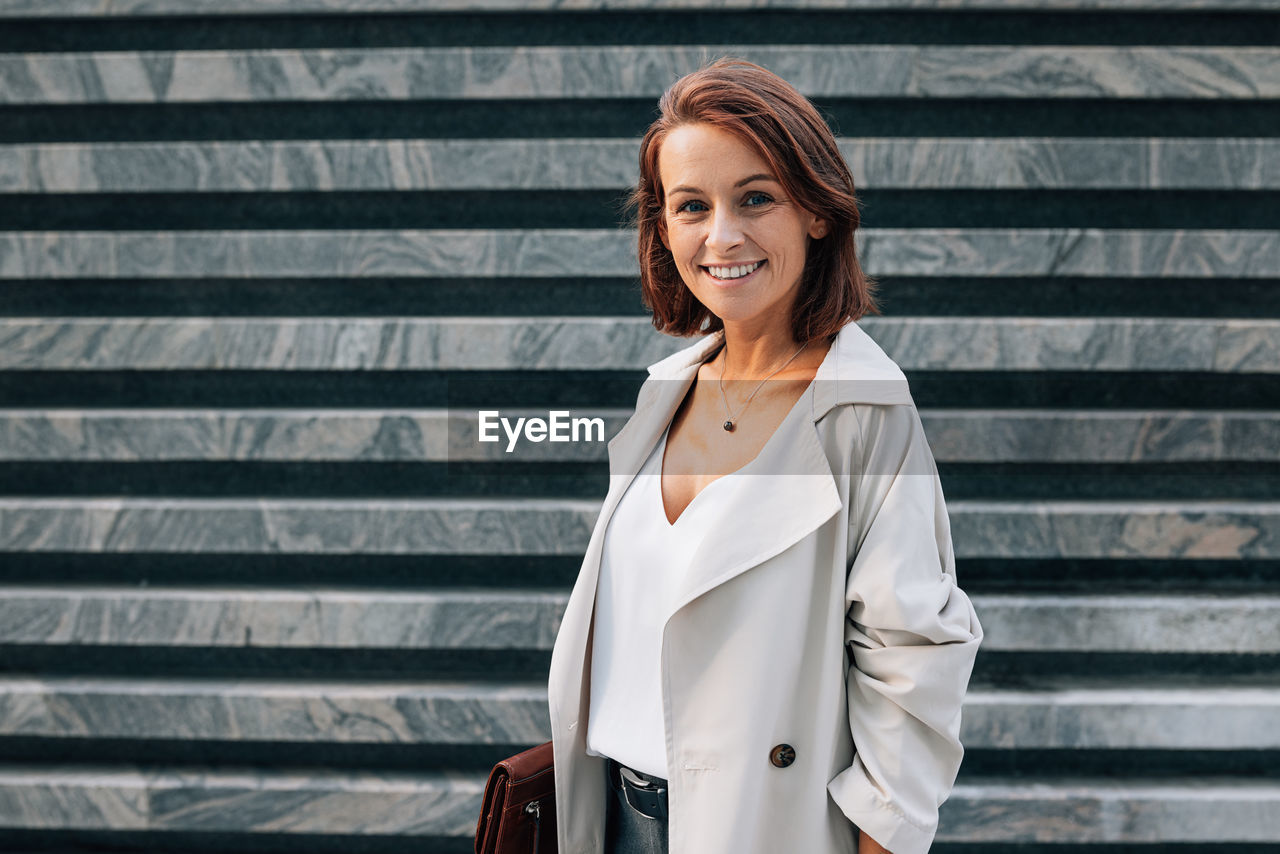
(728, 425)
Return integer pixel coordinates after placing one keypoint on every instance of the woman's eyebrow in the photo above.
(760, 176)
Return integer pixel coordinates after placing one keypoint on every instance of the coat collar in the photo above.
(855, 370)
(800, 493)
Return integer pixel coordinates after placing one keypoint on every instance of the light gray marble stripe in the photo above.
(1201, 718)
(616, 343)
(114, 8)
(410, 619)
(299, 526)
(988, 252)
(611, 164)
(1085, 810)
(250, 710)
(996, 529)
(1116, 529)
(68, 796)
(1210, 718)
(1130, 623)
(280, 618)
(624, 71)
(1039, 809)
(439, 435)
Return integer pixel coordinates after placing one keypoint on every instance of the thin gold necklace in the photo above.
(730, 423)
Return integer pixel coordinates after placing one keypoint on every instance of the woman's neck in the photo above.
(744, 355)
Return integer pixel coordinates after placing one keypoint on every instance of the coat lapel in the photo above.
(793, 489)
(787, 491)
(798, 491)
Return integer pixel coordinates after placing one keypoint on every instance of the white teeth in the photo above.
(734, 272)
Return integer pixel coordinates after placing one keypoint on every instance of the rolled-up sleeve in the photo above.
(911, 633)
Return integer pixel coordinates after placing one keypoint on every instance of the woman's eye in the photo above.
(763, 196)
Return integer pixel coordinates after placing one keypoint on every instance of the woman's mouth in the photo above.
(734, 274)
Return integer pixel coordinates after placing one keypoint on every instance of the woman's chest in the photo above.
(700, 451)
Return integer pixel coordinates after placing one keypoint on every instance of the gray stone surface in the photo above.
(313, 165)
(1217, 718)
(611, 164)
(992, 810)
(371, 712)
(1062, 163)
(201, 799)
(1083, 435)
(990, 252)
(112, 8)
(1099, 810)
(1148, 623)
(607, 343)
(1213, 718)
(289, 618)
(435, 435)
(1003, 529)
(334, 343)
(298, 526)
(1116, 529)
(624, 71)
(440, 435)
(402, 619)
(301, 253)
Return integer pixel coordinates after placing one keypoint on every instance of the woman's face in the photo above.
(724, 209)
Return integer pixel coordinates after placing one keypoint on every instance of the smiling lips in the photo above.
(729, 273)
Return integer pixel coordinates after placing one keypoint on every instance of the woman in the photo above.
(766, 650)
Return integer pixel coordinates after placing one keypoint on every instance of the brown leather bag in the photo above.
(519, 811)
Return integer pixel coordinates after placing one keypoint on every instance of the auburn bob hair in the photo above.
(786, 130)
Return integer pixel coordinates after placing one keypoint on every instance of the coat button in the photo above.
(782, 755)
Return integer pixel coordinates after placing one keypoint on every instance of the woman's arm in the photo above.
(911, 634)
(867, 845)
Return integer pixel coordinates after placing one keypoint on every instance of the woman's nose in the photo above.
(725, 230)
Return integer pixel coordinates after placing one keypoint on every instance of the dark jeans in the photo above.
(628, 831)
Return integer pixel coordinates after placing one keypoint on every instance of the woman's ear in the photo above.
(819, 229)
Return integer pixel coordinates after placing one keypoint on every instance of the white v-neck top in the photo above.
(643, 561)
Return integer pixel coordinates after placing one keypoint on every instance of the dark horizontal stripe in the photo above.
(257, 662)
(1094, 389)
(1035, 671)
(320, 388)
(401, 572)
(1251, 480)
(1257, 481)
(1162, 764)
(899, 296)
(174, 842)
(603, 209)
(626, 118)
(1117, 575)
(400, 479)
(154, 754)
(558, 572)
(1101, 848)
(585, 389)
(62, 841)
(1022, 670)
(497, 297)
(712, 27)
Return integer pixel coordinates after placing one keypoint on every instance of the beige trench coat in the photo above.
(827, 618)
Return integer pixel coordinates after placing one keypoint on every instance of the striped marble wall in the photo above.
(262, 590)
